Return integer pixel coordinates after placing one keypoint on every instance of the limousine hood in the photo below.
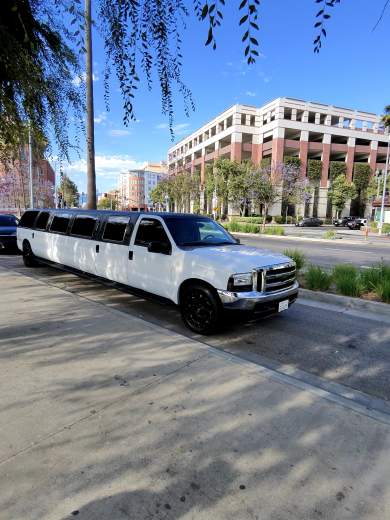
(236, 258)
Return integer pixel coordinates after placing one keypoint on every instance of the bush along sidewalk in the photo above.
(369, 284)
(253, 227)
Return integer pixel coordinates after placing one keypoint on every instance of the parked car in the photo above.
(309, 222)
(357, 223)
(343, 221)
(8, 225)
(190, 260)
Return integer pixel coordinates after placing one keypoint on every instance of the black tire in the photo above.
(29, 259)
(201, 309)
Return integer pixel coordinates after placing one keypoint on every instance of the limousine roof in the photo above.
(120, 213)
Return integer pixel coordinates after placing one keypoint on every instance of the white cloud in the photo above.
(77, 80)
(119, 132)
(161, 126)
(107, 166)
(100, 118)
(250, 93)
(179, 129)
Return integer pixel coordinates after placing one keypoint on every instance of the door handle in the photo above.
(97, 248)
(130, 255)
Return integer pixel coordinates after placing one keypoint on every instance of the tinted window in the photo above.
(150, 230)
(115, 229)
(60, 224)
(197, 231)
(28, 219)
(83, 226)
(42, 220)
(8, 221)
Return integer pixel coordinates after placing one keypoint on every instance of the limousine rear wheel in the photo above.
(29, 259)
(200, 309)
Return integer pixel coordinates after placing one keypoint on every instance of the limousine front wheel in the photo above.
(200, 309)
(29, 259)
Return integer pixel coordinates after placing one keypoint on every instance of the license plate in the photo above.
(283, 305)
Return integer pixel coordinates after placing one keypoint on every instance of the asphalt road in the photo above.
(326, 254)
(325, 345)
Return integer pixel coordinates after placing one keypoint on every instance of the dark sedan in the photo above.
(309, 222)
(8, 224)
(343, 221)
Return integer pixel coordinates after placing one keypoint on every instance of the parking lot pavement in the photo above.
(106, 416)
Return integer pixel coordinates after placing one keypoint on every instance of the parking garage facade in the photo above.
(286, 127)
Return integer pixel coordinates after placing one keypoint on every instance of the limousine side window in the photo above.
(115, 229)
(83, 226)
(150, 230)
(60, 224)
(28, 219)
(42, 220)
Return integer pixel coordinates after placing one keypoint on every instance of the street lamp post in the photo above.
(384, 190)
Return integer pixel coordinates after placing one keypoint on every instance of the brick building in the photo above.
(286, 127)
(15, 185)
(135, 186)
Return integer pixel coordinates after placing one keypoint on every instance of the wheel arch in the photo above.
(193, 281)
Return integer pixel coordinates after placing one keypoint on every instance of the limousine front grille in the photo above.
(276, 278)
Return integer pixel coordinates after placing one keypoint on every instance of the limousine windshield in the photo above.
(198, 231)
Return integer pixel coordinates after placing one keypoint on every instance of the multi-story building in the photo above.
(15, 184)
(135, 186)
(286, 127)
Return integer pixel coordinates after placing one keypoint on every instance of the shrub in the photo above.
(374, 225)
(250, 228)
(329, 235)
(317, 279)
(314, 170)
(293, 161)
(279, 219)
(385, 228)
(347, 280)
(377, 279)
(273, 230)
(251, 220)
(298, 257)
(383, 290)
(337, 168)
(240, 227)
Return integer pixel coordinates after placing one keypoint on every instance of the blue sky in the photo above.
(351, 71)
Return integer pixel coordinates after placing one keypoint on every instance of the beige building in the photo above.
(286, 127)
(135, 186)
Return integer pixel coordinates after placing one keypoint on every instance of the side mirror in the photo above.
(159, 247)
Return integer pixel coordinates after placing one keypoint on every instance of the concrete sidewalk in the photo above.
(105, 416)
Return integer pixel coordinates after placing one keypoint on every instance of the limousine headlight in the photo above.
(241, 282)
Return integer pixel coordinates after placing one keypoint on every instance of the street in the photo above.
(326, 254)
(329, 346)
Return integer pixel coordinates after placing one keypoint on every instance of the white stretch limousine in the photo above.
(188, 259)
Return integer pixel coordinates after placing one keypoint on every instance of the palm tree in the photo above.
(386, 116)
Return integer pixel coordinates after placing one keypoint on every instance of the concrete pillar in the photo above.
(303, 150)
(325, 158)
(364, 126)
(305, 116)
(277, 147)
(192, 164)
(375, 128)
(294, 114)
(247, 120)
(276, 209)
(216, 155)
(350, 157)
(328, 120)
(202, 167)
(235, 149)
(322, 202)
(341, 122)
(317, 118)
(352, 124)
(279, 113)
(373, 154)
(257, 149)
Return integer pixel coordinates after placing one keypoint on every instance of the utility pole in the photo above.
(384, 190)
(30, 167)
(91, 176)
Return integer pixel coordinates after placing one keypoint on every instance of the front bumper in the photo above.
(257, 301)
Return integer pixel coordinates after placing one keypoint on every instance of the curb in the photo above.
(347, 302)
(307, 239)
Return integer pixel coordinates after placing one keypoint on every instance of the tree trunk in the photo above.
(91, 176)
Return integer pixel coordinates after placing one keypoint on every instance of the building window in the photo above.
(243, 119)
